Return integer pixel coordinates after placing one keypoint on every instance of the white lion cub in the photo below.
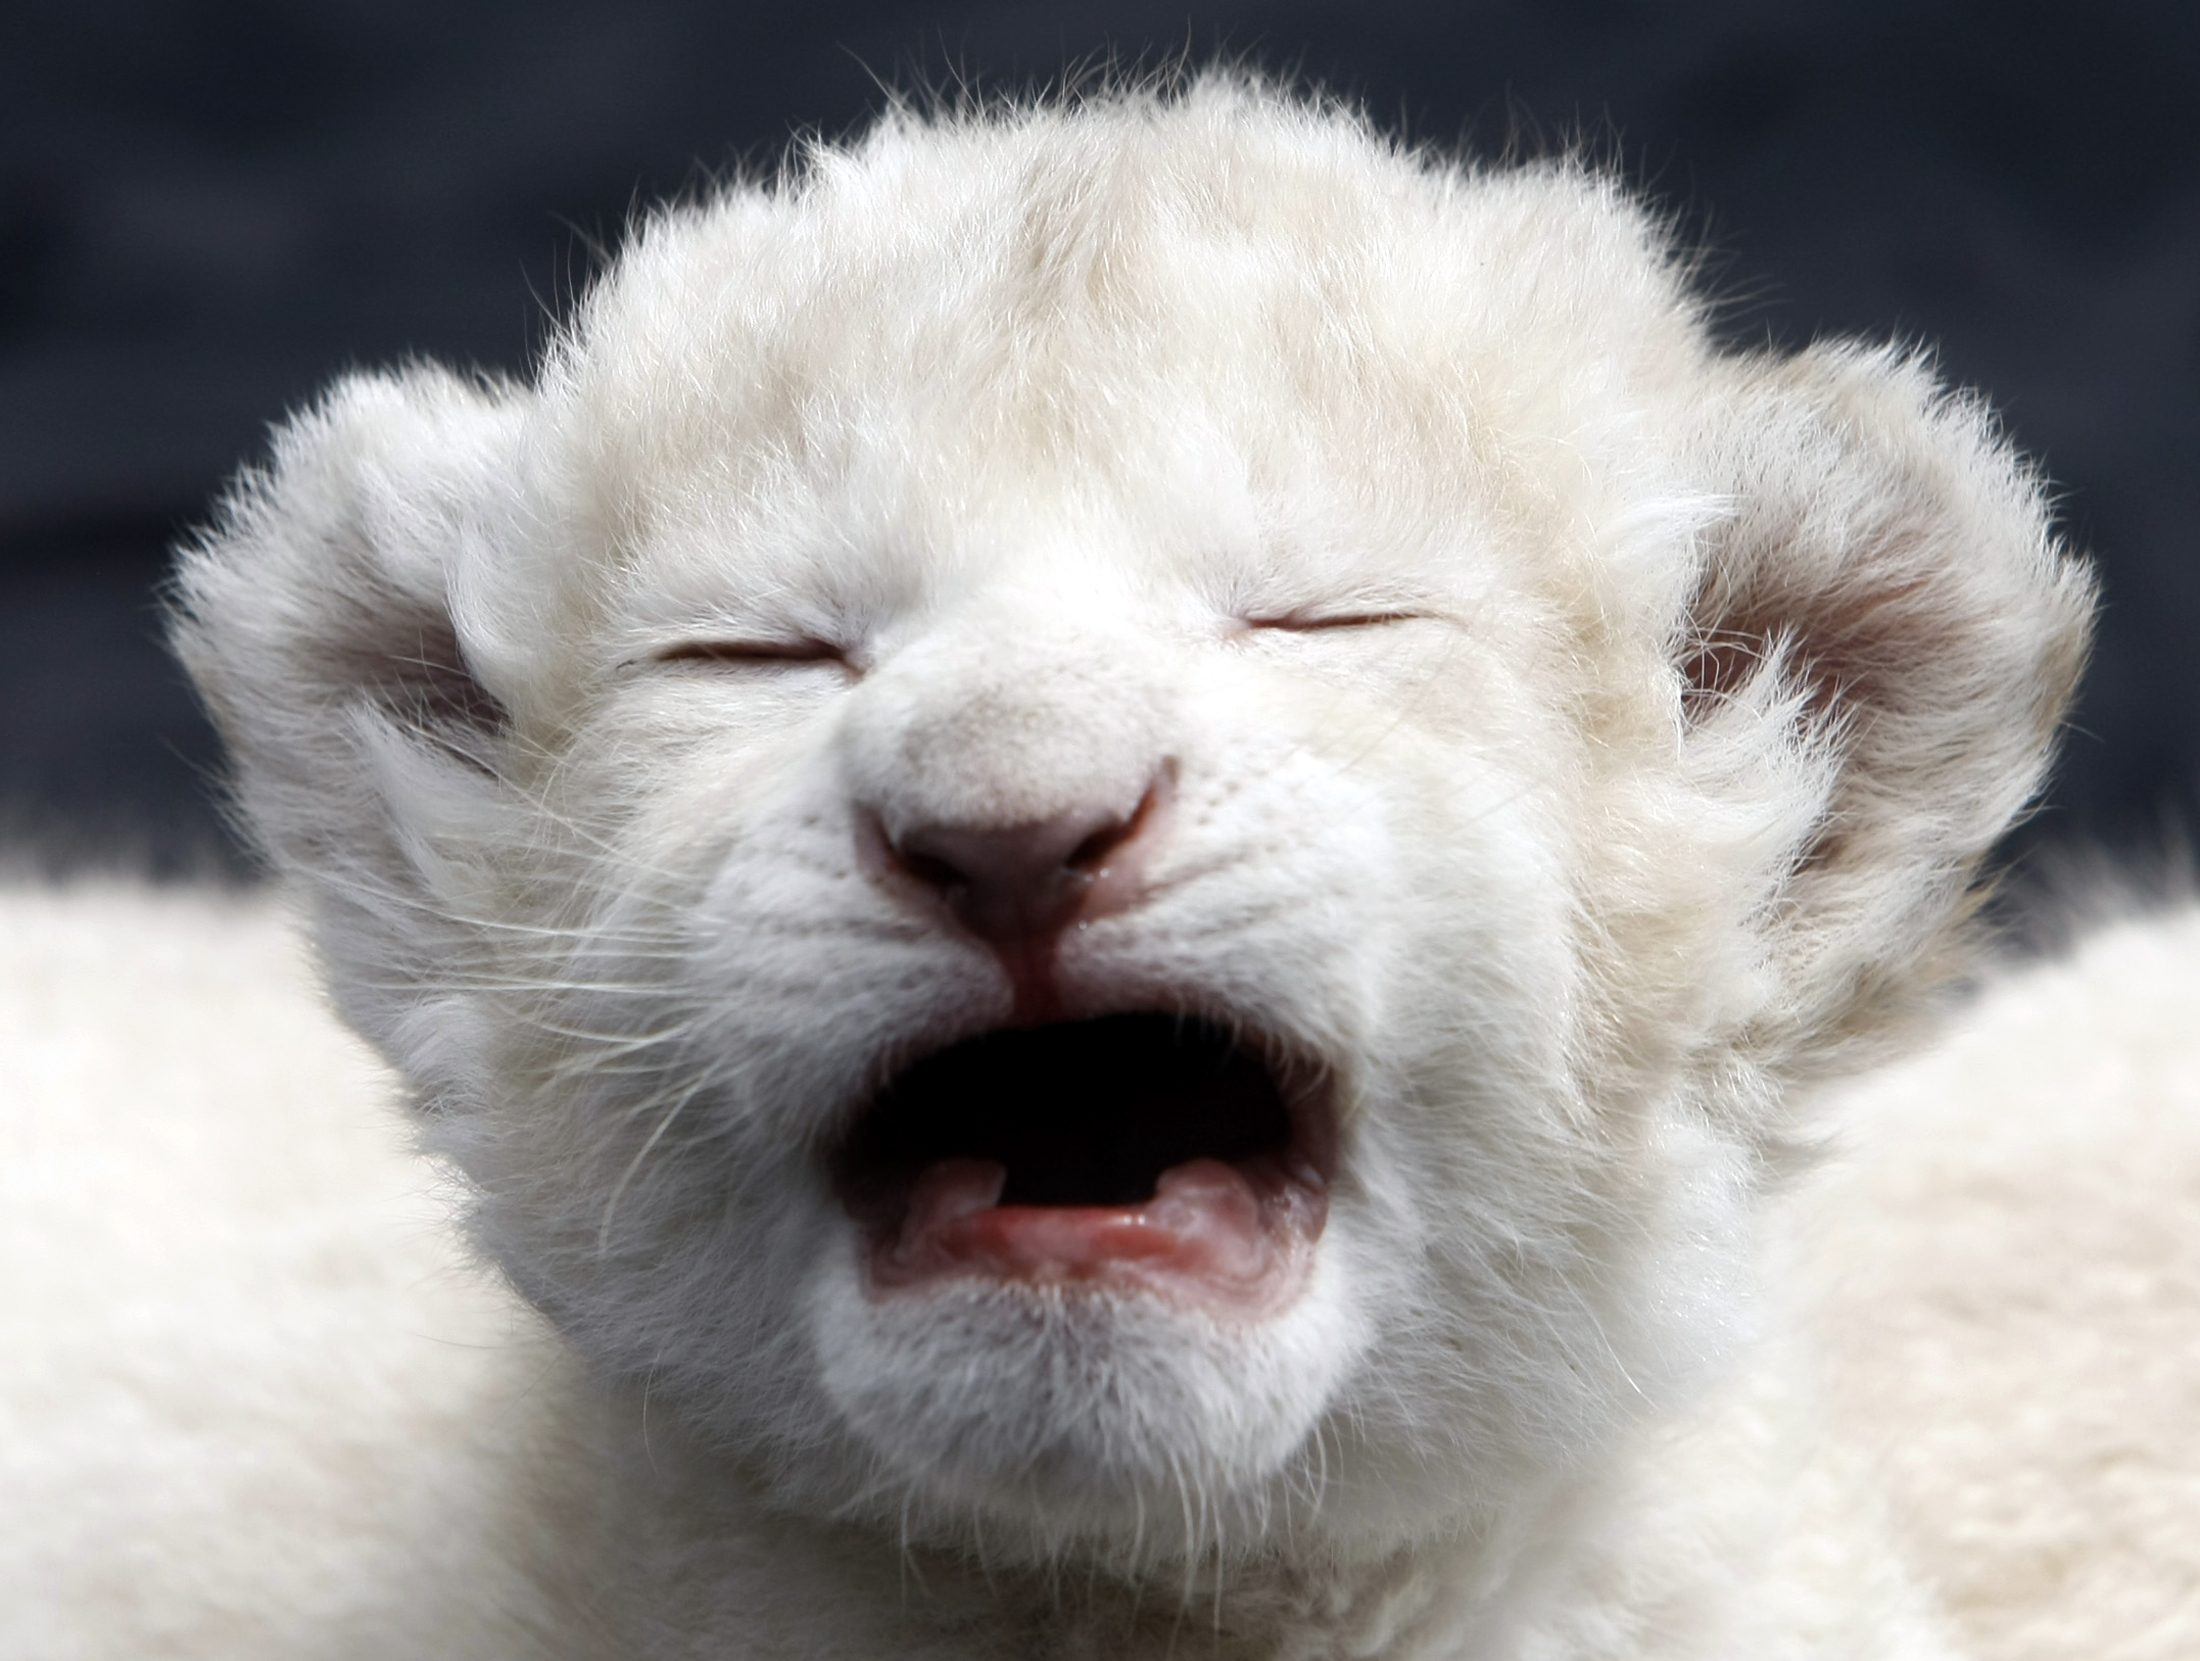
(1122, 843)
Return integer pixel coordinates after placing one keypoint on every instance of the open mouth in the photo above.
(1132, 1152)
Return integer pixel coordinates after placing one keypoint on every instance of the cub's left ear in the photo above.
(1887, 626)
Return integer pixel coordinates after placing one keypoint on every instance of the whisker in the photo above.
(641, 1155)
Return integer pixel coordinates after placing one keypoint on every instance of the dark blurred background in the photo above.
(206, 210)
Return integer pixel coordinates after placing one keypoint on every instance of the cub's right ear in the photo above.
(324, 616)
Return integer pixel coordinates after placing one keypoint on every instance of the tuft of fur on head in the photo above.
(1585, 740)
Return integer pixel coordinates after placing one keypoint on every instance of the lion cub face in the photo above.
(1122, 821)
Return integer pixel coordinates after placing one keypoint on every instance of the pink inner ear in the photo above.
(1717, 666)
(1851, 649)
(1872, 657)
(427, 681)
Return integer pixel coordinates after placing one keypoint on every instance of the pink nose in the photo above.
(1010, 883)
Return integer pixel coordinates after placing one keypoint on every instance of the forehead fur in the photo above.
(1141, 305)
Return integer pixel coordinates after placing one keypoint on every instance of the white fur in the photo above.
(256, 1407)
(1709, 681)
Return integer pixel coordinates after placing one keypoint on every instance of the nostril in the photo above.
(927, 868)
(1097, 846)
(1106, 838)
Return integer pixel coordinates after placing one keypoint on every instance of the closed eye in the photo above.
(751, 651)
(1309, 622)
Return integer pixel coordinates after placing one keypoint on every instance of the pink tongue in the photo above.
(1204, 1221)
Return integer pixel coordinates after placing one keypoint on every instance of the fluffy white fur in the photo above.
(1584, 743)
(256, 1405)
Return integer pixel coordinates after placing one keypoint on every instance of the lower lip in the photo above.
(1229, 1239)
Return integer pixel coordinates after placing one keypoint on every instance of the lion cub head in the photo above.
(1122, 826)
